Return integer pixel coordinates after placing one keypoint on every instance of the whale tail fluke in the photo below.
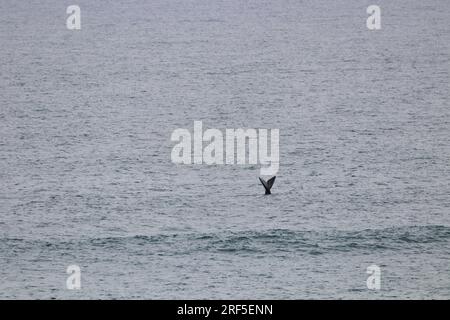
(267, 185)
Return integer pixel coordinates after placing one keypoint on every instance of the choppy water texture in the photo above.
(86, 177)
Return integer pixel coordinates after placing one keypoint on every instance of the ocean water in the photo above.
(86, 176)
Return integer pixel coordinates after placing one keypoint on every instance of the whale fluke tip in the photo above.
(267, 185)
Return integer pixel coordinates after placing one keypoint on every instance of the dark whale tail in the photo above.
(267, 185)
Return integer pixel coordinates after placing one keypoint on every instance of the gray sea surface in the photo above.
(86, 176)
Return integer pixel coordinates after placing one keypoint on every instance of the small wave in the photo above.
(248, 242)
